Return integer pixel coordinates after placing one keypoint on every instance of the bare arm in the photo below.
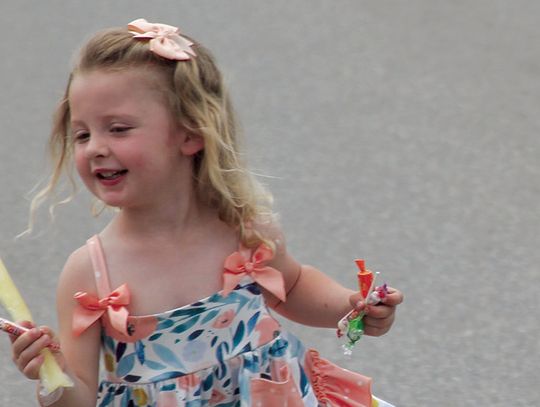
(82, 352)
(315, 299)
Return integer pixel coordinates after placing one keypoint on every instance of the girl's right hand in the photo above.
(27, 347)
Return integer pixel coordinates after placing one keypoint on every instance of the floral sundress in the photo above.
(225, 350)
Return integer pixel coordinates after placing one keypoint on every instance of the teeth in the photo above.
(110, 174)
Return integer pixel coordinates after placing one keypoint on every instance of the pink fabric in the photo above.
(266, 328)
(91, 308)
(239, 264)
(165, 40)
(269, 393)
(139, 327)
(167, 399)
(188, 382)
(336, 386)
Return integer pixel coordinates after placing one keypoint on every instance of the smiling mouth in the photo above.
(111, 175)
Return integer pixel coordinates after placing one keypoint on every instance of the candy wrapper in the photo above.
(17, 330)
(51, 376)
(352, 325)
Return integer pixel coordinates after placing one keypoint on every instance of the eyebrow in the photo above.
(107, 118)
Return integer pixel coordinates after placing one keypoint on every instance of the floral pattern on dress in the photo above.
(196, 355)
(221, 351)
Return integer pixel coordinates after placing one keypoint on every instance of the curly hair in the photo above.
(198, 100)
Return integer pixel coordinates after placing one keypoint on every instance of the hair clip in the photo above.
(165, 40)
(352, 324)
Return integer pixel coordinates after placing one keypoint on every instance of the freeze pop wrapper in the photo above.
(51, 375)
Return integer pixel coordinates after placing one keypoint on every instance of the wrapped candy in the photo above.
(352, 325)
(51, 375)
(17, 330)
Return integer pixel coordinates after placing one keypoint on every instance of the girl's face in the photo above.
(127, 149)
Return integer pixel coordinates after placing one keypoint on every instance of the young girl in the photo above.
(175, 292)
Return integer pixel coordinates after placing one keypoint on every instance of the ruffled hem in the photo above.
(336, 386)
(279, 373)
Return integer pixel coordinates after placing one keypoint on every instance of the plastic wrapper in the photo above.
(352, 325)
(51, 375)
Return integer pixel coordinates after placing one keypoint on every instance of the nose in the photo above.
(97, 146)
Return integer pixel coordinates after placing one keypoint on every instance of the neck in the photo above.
(170, 218)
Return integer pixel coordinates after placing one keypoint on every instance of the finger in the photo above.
(376, 326)
(33, 350)
(357, 301)
(378, 322)
(46, 330)
(28, 347)
(360, 306)
(24, 324)
(394, 297)
(21, 342)
(31, 369)
(55, 343)
(375, 331)
(380, 311)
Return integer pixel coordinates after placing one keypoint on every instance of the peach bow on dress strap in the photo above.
(91, 308)
(165, 40)
(238, 265)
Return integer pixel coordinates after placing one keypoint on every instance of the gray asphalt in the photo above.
(405, 133)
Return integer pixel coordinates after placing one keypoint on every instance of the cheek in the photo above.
(134, 158)
(81, 163)
(83, 169)
(149, 160)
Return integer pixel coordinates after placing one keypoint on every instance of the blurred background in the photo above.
(405, 133)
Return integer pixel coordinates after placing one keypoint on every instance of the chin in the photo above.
(112, 202)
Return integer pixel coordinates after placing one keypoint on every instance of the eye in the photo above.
(81, 136)
(119, 129)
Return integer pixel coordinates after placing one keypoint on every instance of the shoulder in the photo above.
(77, 274)
(282, 260)
(271, 231)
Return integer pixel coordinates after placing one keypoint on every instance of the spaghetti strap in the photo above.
(99, 265)
(109, 305)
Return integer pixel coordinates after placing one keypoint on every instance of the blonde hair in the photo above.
(198, 100)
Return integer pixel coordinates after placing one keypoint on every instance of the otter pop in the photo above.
(51, 375)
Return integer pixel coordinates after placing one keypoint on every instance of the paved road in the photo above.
(402, 132)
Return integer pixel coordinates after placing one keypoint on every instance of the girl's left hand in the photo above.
(378, 318)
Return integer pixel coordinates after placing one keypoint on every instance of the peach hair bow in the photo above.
(238, 265)
(165, 40)
(91, 308)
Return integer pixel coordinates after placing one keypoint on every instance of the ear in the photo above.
(192, 143)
